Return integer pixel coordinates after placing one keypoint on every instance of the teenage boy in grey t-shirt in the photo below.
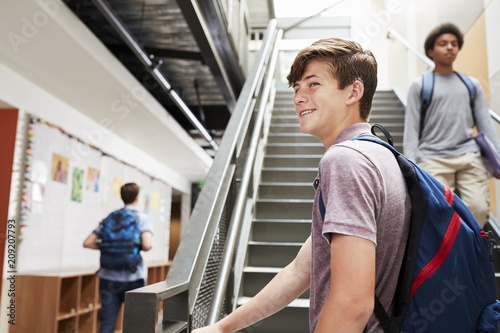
(445, 145)
(356, 251)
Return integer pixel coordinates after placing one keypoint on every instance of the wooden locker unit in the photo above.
(65, 302)
(56, 302)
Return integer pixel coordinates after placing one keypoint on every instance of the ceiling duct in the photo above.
(151, 66)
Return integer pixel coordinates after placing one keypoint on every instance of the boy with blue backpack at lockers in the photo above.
(440, 137)
(120, 237)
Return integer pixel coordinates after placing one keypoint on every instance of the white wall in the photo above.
(413, 22)
(29, 98)
(52, 66)
(492, 13)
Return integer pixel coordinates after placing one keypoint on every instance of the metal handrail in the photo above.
(393, 33)
(495, 116)
(243, 194)
(179, 292)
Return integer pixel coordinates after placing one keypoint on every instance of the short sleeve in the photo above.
(352, 193)
(145, 223)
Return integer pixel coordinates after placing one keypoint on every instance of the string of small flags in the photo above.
(36, 120)
(27, 183)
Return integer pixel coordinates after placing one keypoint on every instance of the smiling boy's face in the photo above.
(319, 103)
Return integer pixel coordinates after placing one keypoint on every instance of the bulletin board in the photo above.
(69, 187)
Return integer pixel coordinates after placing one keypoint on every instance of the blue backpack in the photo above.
(120, 240)
(447, 280)
(428, 88)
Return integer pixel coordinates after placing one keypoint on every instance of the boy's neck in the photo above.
(443, 69)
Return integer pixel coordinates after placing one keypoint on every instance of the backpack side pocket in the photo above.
(490, 319)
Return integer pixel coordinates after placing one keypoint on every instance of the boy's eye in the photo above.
(313, 84)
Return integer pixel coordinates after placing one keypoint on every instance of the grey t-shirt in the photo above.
(365, 195)
(448, 127)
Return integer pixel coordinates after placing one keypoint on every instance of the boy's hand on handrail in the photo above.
(208, 329)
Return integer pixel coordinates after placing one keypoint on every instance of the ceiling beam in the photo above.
(216, 47)
(151, 65)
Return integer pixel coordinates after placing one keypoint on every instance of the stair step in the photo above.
(294, 244)
(285, 125)
(266, 270)
(285, 128)
(289, 190)
(278, 209)
(280, 232)
(286, 117)
(292, 319)
(285, 201)
(387, 119)
(282, 220)
(294, 148)
(298, 303)
(294, 137)
(287, 174)
(291, 160)
(256, 280)
(272, 254)
(284, 111)
(388, 107)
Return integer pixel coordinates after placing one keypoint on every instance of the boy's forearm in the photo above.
(285, 287)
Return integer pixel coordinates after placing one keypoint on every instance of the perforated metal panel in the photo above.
(202, 306)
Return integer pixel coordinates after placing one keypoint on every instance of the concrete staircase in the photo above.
(282, 220)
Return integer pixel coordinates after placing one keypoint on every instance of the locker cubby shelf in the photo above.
(66, 302)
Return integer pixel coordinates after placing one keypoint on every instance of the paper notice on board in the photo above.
(93, 179)
(59, 168)
(77, 188)
(117, 185)
(155, 200)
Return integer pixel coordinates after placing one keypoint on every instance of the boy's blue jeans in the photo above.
(112, 296)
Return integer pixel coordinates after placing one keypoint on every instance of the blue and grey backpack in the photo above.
(447, 280)
(120, 240)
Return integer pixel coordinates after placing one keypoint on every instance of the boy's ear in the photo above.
(357, 91)
(430, 53)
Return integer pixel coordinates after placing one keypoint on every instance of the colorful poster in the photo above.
(117, 185)
(147, 204)
(59, 168)
(76, 192)
(155, 200)
(93, 180)
(106, 193)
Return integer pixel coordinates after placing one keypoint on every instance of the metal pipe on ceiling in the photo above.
(153, 68)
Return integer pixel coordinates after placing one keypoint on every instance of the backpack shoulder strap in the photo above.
(427, 89)
(419, 208)
(379, 141)
(425, 96)
(470, 86)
